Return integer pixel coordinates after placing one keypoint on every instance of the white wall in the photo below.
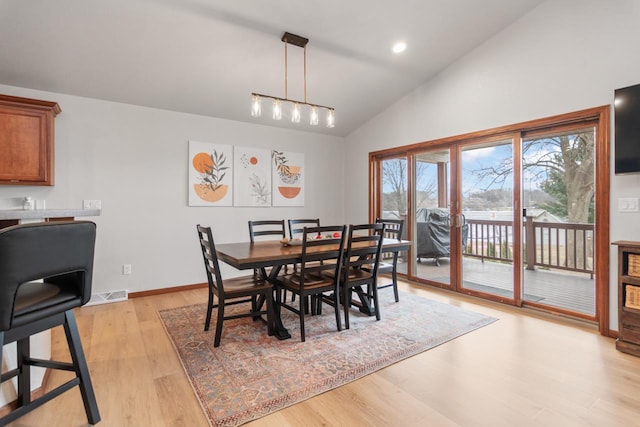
(564, 56)
(134, 159)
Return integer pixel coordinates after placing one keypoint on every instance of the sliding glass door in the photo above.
(558, 182)
(513, 215)
(394, 175)
(510, 219)
(431, 216)
(487, 212)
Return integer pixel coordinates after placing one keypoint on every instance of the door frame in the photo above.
(599, 117)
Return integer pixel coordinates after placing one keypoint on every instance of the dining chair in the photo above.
(233, 291)
(314, 277)
(364, 246)
(296, 226)
(392, 230)
(266, 228)
(270, 228)
(46, 271)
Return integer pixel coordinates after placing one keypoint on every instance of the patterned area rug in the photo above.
(251, 374)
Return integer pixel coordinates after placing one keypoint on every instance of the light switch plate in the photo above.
(628, 204)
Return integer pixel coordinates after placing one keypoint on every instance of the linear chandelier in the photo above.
(278, 102)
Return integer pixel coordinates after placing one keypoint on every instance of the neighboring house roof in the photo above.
(390, 215)
(507, 215)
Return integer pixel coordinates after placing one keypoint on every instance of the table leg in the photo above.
(364, 303)
(280, 331)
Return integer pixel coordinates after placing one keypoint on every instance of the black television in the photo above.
(627, 128)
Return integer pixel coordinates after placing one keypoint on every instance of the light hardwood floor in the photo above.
(527, 369)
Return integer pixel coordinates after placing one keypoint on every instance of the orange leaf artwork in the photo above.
(288, 178)
(209, 179)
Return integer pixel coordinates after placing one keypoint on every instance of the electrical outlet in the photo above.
(92, 204)
(126, 268)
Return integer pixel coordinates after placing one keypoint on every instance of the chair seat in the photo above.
(242, 285)
(383, 267)
(355, 274)
(358, 274)
(37, 300)
(311, 281)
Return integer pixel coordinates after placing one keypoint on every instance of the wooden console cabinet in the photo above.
(628, 297)
(26, 141)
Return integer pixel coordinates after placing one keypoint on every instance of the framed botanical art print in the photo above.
(210, 174)
(288, 178)
(251, 177)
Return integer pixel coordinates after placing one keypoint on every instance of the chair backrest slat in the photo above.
(296, 226)
(364, 246)
(392, 227)
(314, 251)
(266, 228)
(210, 258)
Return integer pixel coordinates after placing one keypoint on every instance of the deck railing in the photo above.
(565, 246)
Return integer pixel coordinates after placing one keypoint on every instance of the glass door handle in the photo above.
(458, 220)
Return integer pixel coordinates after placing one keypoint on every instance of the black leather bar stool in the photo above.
(61, 254)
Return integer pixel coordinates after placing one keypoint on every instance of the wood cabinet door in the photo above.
(26, 141)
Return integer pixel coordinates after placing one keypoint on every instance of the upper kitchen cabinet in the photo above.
(26, 141)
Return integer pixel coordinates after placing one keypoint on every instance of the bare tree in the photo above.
(394, 176)
(564, 164)
(568, 157)
(395, 179)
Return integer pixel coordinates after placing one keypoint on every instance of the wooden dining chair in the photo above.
(232, 291)
(364, 246)
(273, 228)
(270, 228)
(296, 229)
(392, 230)
(319, 272)
(296, 226)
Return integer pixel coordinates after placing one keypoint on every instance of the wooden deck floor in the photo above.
(555, 288)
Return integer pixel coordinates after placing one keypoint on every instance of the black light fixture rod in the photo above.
(292, 100)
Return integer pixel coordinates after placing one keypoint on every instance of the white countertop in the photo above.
(46, 213)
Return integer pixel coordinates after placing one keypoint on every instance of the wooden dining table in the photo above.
(273, 254)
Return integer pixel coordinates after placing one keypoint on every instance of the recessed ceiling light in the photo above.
(399, 47)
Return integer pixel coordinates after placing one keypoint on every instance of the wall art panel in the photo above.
(210, 174)
(288, 178)
(251, 177)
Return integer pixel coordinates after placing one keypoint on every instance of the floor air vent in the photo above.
(107, 297)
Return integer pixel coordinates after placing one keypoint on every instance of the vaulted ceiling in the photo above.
(206, 56)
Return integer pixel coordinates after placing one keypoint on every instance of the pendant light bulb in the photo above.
(256, 106)
(277, 110)
(295, 114)
(331, 120)
(313, 117)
